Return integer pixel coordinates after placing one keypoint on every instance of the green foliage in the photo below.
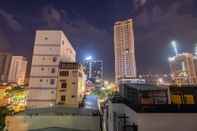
(3, 113)
(102, 94)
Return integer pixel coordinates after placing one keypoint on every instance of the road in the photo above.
(91, 102)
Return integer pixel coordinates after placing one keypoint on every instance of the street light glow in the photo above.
(88, 58)
(170, 59)
(174, 45)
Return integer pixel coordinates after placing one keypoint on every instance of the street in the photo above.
(91, 102)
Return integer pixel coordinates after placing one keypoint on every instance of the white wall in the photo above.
(167, 122)
(154, 121)
(25, 123)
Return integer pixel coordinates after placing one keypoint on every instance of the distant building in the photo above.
(125, 65)
(5, 61)
(183, 69)
(145, 94)
(94, 71)
(17, 71)
(186, 94)
(71, 84)
(50, 48)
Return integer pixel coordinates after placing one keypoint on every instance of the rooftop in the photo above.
(156, 108)
(59, 110)
(145, 87)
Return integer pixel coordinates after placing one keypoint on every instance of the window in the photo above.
(80, 74)
(41, 80)
(52, 81)
(63, 98)
(45, 38)
(64, 85)
(74, 73)
(73, 83)
(52, 92)
(42, 69)
(53, 70)
(73, 96)
(64, 73)
(62, 42)
(54, 59)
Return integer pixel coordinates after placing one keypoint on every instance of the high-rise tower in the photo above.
(125, 65)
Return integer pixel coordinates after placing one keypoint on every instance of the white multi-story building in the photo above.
(17, 71)
(50, 48)
(125, 65)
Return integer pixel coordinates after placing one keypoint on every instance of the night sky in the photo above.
(89, 26)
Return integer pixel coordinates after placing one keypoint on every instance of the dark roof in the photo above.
(144, 87)
(156, 108)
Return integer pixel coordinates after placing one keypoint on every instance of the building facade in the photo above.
(17, 71)
(183, 69)
(5, 61)
(145, 94)
(94, 71)
(71, 84)
(125, 65)
(50, 48)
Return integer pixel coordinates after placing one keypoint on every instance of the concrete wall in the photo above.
(25, 123)
(167, 122)
(151, 121)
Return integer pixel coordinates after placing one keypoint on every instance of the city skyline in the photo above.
(92, 28)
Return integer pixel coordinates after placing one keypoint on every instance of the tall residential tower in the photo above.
(125, 65)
